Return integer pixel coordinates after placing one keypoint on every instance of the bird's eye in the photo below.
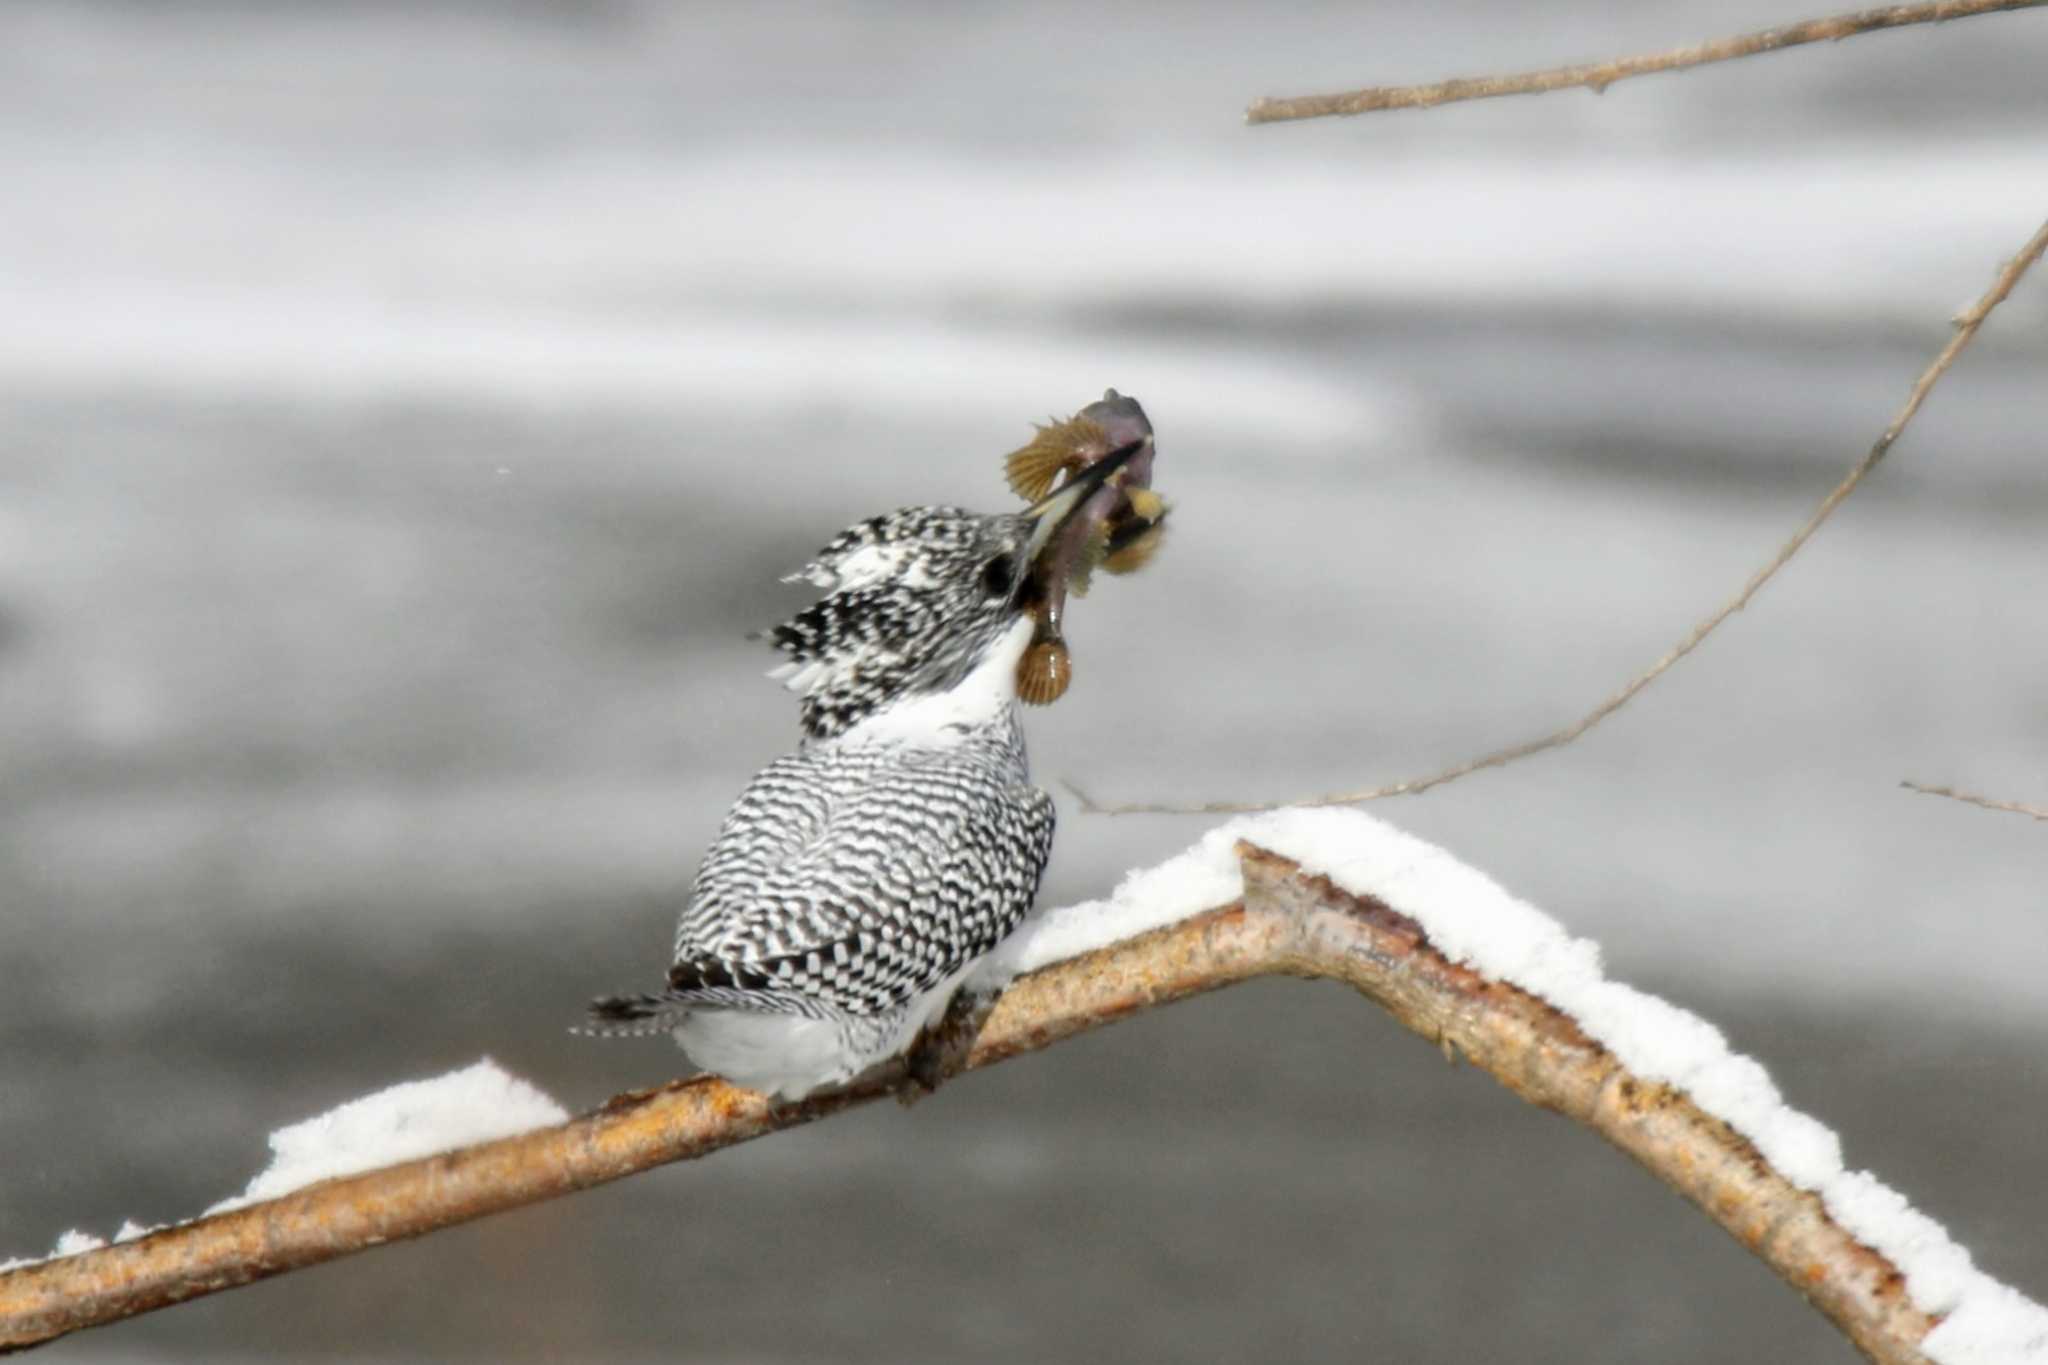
(996, 575)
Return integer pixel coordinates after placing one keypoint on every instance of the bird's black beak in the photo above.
(1060, 508)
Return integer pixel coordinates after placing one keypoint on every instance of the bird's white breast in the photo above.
(938, 720)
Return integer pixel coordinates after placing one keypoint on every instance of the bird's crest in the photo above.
(908, 606)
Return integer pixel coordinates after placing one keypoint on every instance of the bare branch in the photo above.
(1288, 923)
(1597, 76)
(1966, 324)
(2017, 808)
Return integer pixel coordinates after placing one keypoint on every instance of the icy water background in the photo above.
(405, 412)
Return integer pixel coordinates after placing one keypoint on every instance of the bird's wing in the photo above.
(858, 881)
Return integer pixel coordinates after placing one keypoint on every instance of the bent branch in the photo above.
(1597, 76)
(1966, 324)
(1288, 923)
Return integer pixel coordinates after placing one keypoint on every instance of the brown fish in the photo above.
(1118, 528)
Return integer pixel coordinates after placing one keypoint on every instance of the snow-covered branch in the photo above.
(1329, 894)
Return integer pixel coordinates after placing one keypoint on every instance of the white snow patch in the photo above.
(415, 1119)
(71, 1243)
(74, 1243)
(1472, 920)
(406, 1122)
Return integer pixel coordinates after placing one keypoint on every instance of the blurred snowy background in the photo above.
(405, 410)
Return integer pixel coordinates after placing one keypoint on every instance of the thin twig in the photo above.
(1597, 76)
(1966, 325)
(2016, 807)
(1288, 923)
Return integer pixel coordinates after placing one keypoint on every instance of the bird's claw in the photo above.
(941, 1050)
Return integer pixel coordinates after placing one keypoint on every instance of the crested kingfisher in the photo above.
(858, 881)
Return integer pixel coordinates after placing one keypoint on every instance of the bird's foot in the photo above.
(941, 1050)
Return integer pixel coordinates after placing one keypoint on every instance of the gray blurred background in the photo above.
(405, 411)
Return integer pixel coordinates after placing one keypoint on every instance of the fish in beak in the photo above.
(1104, 514)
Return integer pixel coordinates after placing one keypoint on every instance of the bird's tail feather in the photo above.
(632, 1016)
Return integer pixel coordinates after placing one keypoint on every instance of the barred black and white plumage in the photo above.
(858, 881)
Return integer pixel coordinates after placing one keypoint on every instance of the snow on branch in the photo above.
(1597, 76)
(415, 1119)
(1327, 894)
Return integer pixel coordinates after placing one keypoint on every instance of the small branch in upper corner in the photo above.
(1597, 76)
(2016, 807)
(1966, 324)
